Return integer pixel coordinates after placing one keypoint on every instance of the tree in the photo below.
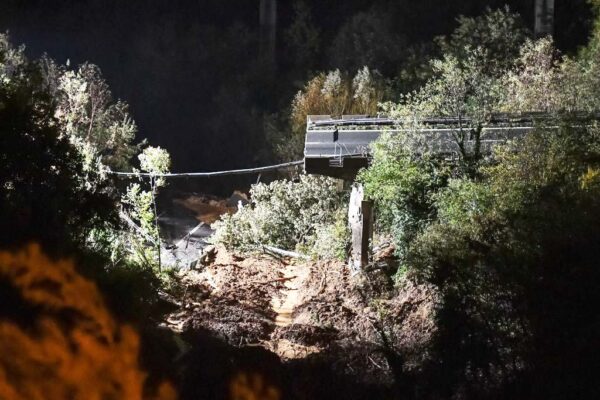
(518, 285)
(303, 36)
(368, 38)
(534, 84)
(61, 131)
(500, 32)
(143, 210)
(403, 185)
(41, 192)
(101, 128)
(470, 82)
(12, 60)
(460, 89)
(511, 242)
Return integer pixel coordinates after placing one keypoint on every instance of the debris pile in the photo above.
(307, 311)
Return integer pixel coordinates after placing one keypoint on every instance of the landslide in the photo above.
(308, 316)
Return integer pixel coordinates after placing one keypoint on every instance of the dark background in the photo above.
(190, 69)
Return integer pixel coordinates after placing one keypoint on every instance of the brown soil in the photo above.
(207, 210)
(308, 310)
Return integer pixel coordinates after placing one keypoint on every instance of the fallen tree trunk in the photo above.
(284, 253)
(137, 228)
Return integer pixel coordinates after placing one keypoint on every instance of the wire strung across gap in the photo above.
(208, 174)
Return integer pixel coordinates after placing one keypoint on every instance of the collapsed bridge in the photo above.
(340, 147)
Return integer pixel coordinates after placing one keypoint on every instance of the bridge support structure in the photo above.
(360, 220)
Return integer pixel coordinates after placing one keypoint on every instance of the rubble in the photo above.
(304, 309)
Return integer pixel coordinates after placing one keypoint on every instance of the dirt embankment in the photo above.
(309, 312)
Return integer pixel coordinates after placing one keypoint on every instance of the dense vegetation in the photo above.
(307, 215)
(60, 135)
(510, 240)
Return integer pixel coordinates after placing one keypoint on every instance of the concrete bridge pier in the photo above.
(360, 220)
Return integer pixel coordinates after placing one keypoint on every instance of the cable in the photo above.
(210, 174)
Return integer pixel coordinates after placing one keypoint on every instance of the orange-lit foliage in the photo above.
(252, 387)
(74, 349)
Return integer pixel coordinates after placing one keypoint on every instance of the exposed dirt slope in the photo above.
(308, 311)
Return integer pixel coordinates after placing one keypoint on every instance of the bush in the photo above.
(284, 214)
(403, 185)
(331, 241)
(43, 195)
(334, 93)
(515, 257)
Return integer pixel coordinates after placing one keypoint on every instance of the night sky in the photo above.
(190, 69)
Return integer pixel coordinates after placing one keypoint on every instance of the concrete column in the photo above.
(544, 18)
(360, 219)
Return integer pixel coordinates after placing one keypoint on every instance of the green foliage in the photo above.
(518, 247)
(402, 184)
(144, 241)
(100, 128)
(468, 80)
(156, 161)
(510, 241)
(407, 179)
(44, 198)
(283, 214)
(141, 208)
(59, 132)
(41, 192)
(461, 89)
(331, 240)
(543, 80)
(12, 61)
(500, 32)
(540, 81)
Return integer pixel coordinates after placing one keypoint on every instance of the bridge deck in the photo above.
(340, 147)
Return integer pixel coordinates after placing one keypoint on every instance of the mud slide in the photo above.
(284, 303)
(304, 312)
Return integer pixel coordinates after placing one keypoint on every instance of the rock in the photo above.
(236, 198)
(208, 255)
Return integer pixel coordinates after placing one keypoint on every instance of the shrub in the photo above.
(515, 257)
(334, 93)
(403, 185)
(331, 241)
(43, 195)
(284, 214)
